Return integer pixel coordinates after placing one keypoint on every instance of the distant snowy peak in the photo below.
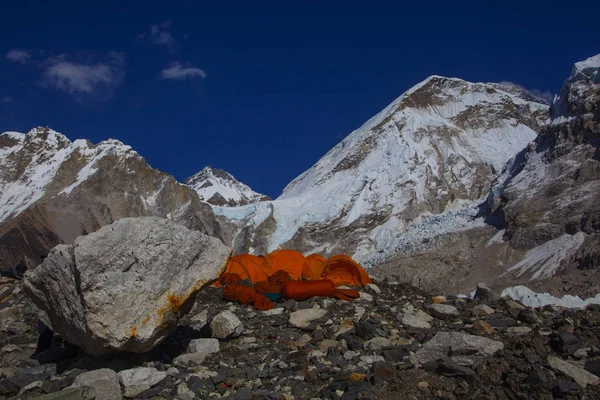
(220, 188)
(43, 163)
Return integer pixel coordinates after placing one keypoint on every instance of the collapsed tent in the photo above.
(287, 274)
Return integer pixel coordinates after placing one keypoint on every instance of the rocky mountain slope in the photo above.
(220, 188)
(52, 190)
(417, 169)
(549, 206)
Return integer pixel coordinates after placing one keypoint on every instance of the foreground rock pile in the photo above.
(395, 342)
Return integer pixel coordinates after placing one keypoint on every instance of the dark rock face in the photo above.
(552, 193)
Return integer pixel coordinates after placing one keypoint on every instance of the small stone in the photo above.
(359, 312)
(567, 342)
(518, 330)
(328, 343)
(104, 381)
(273, 311)
(371, 359)
(415, 322)
(382, 372)
(140, 379)
(529, 316)
(226, 325)
(439, 299)
(377, 343)
(481, 310)
(582, 353)
(484, 293)
(466, 349)
(579, 375)
(593, 366)
(199, 320)
(374, 288)
(205, 346)
(365, 296)
(345, 326)
(423, 385)
(356, 377)
(303, 318)
(443, 311)
(514, 304)
(482, 328)
(349, 355)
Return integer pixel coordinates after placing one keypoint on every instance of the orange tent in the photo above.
(340, 269)
(290, 261)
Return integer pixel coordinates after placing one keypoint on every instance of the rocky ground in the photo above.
(394, 342)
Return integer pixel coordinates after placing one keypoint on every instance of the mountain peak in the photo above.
(220, 188)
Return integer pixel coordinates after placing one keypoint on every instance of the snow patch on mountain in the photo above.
(529, 298)
(543, 261)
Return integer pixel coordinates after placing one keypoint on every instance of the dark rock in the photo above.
(448, 368)
(484, 293)
(396, 354)
(382, 372)
(365, 330)
(565, 342)
(564, 387)
(24, 377)
(529, 316)
(353, 392)
(499, 321)
(539, 377)
(593, 366)
(352, 342)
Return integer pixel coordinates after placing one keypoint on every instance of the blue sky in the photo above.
(262, 89)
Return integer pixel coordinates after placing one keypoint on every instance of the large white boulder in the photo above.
(123, 287)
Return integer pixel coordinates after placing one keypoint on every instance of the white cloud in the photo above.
(178, 71)
(545, 95)
(5, 99)
(85, 77)
(159, 34)
(18, 56)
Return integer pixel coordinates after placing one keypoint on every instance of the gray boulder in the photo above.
(104, 381)
(462, 348)
(138, 380)
(197, 351)
(123, 287)
(226, 325)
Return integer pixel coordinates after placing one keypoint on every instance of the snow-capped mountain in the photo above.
(417, 169)
(220, 188)
(53, 190)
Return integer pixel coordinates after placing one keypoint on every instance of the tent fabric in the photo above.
(290, 261)
(313, 267)
(247, 295)
(247, 267)
(302, 290)
(344, 271)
